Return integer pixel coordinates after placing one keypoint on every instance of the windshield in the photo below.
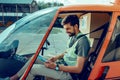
(29, 31)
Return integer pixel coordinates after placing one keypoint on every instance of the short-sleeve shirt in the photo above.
(78, 46)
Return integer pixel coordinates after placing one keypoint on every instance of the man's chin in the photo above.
(71, 35)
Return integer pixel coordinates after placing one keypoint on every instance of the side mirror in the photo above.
(8, 50)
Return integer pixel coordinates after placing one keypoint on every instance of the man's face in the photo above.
(70, 30)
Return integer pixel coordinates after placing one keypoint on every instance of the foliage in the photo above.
(43, 5)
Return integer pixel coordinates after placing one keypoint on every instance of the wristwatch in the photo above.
(57, 67)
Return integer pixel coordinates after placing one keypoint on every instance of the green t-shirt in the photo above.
(78, 46)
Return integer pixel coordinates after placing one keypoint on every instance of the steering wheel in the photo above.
(14, 46)
(46, 47)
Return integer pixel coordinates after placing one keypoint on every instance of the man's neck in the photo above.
(77, 32)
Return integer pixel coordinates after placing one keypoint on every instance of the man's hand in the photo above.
(53, 59)
(50, 64)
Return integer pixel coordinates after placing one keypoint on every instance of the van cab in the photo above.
(42, 33)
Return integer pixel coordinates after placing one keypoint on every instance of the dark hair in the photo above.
(72, 19)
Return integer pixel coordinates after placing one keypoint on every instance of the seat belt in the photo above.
(100, 28)
(92, 57)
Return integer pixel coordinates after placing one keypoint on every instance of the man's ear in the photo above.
(76, 26)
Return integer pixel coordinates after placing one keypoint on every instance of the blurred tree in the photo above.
(43, 5)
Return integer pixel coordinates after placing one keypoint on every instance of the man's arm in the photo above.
(53, 59)
(74, 69)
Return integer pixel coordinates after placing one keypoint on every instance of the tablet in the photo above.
(41, 58)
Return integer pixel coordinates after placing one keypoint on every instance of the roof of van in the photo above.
(90, 8)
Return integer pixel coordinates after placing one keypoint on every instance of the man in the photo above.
(73, 58)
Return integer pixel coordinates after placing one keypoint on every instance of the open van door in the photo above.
(100, 23)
